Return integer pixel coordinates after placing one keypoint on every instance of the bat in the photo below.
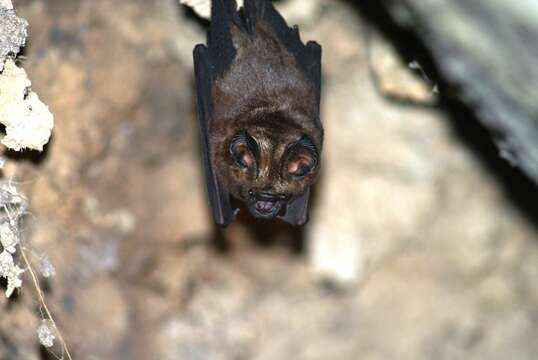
(258, 98)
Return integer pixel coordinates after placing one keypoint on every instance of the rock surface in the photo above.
(442, 263)
(487, 49)
(28, 122)
(12, 32)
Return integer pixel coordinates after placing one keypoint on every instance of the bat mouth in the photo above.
(266, 205)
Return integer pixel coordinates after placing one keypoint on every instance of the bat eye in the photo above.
(243, 149)
(302, 158)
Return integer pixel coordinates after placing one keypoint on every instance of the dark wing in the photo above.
(210, 63)
(312, 60)
(220, 49)
(297, 210)
(219, 199)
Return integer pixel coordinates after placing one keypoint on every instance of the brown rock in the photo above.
(435, 259)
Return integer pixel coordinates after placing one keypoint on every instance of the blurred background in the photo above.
(422, 241)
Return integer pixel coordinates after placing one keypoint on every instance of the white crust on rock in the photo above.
(27, 120)
(6, 4)
(203, 7)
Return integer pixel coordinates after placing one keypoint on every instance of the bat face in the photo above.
(266, 166)
(258, 94)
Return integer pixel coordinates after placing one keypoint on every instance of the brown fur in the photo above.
(265, 94)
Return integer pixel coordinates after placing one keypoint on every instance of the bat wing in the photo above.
(297, 210)
(219, 198)
(312, 60)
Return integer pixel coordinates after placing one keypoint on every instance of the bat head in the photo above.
(268, 165)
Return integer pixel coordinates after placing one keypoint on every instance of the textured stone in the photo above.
(28, 122)
(436, 260)
(392, 75)
(486, 49)
(12, 32)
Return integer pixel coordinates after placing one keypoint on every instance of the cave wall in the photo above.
(413, 251)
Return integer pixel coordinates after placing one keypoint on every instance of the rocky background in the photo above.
(422, 242)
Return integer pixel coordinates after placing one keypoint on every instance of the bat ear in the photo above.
(297, 210)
